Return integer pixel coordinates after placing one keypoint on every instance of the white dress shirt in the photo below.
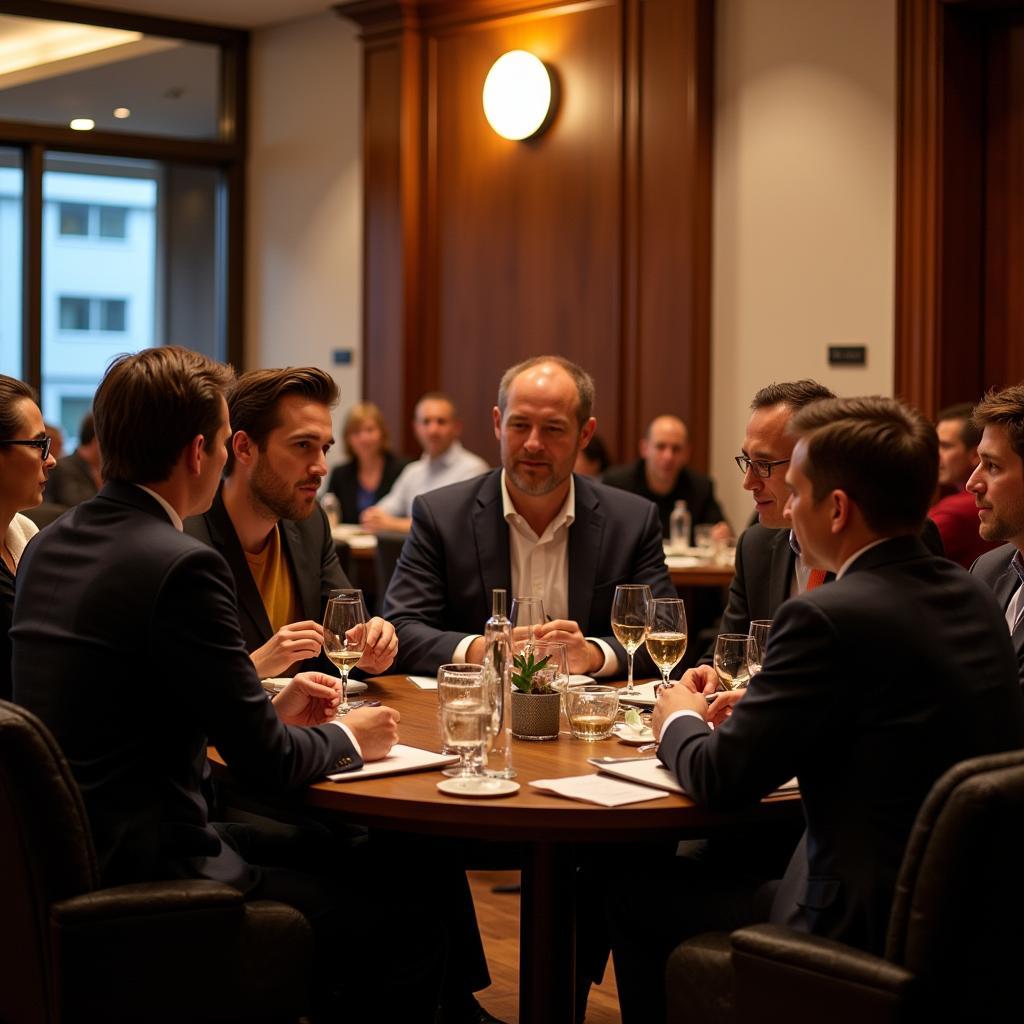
(427, 474)
(539, 567)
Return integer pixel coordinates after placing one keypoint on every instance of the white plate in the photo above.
(631, 736)
(474, 787)
(580, 680)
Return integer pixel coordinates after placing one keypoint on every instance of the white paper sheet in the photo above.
(644, 696)
(649, 771)
(598, 789)
(423, 682)
(401, 759)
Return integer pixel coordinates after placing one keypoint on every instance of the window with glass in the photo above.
(11, 216)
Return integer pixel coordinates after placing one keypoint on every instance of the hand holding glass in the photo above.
(345, 637)
(527, 613)
(666, 642)
(631, 621)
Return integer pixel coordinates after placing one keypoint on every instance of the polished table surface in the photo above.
(547, 827)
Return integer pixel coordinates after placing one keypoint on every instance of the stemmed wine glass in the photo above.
(759, 634)
(345, 636)
(732, 659)
(632, 606)
(527, 613)
(666, 642)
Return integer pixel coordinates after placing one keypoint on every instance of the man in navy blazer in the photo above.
(871, 687)
(997, 484)
(266, 522)
(531, 527)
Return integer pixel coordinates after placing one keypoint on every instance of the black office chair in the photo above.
(159, 952)
(953, 948)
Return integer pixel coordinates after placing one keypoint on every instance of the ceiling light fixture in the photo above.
(121, 113)
(82, 124)
(517, 95)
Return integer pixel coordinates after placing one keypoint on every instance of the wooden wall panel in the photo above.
(526, 249)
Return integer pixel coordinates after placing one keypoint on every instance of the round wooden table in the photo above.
(547, 827)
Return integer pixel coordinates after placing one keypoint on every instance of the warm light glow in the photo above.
(121, 113)
(82, 124)
(517, 95)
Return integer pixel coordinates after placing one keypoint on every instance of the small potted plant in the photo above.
(536, 702)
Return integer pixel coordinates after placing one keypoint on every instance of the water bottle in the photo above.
(498, 680)
(679, 527)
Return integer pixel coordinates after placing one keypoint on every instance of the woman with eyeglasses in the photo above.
(25, 463)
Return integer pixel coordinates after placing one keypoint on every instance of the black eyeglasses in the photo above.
(759, 466)
(42, 443)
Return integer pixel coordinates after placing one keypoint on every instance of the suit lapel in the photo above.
(305, 575)
(780, 575)
(585, 536)
(1003, 588)
(225, 540)
(490, 532)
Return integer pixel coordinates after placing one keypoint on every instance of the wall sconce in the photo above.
(517, 95)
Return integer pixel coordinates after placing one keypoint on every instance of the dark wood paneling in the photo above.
(1004, 266)
(526, 236)
(672, 364)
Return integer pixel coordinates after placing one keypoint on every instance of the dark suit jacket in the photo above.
(126, 644)
(344, 483)
(994, 569)
(310, 552)
(694, 488)
(765, 563)
(871, 688)
(458, 552)
(70, 482)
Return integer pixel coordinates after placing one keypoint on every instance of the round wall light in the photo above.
(517, 95)
(82, 124)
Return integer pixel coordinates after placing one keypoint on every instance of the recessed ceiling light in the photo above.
(82, 124)
(121, 113)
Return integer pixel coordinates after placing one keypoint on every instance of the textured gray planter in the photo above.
(536, 716)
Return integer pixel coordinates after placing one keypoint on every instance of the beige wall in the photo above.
(804, 205)
(304, 247)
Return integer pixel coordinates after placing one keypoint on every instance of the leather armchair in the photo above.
(953, 942)
(162, 951)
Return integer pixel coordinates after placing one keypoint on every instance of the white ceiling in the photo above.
(236, 13)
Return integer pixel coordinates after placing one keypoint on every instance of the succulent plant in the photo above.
(525, 673)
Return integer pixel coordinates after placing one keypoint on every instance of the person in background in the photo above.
(662, 475)
(25, 461)
(955, 515)
(444, 461)
(56, 436)
(997, 487)
(372, 467)
(593, 460)
(76, 477)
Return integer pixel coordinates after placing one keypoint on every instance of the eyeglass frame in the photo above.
(757, 465)
(42, 443)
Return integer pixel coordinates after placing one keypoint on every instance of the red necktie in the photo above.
(816, 578)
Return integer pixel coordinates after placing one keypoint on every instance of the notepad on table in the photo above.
(400, 760)
(597, 789)
(649, 771)
(423, 682)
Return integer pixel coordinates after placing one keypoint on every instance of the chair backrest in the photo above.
(389, 547)
(958, 909)
(46, 854)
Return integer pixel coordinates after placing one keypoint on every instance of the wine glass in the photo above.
(732, 659)
(631, 621)
(666, 642)
(759, 634)
(345, 636)
(527, 613)
(466, 717)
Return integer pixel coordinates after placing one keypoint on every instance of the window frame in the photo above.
(227, 153)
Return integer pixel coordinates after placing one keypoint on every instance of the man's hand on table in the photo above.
(584, 657)
(311, 698)
(672, 699)
(704, 679)
(375, 730)
(292, 643)
(381, 646)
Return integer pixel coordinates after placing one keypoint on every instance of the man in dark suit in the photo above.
(662, 475)
(266, 522)
(866, 744)
(532, 528)
(997, 484)
(127, 645)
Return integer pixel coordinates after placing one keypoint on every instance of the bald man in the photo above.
(661, 475)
